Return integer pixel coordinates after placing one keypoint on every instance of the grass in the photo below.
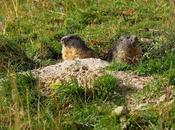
(30, 38)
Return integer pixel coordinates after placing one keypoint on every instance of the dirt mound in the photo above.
(85, 71)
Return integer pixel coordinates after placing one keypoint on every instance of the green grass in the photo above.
(30, 38)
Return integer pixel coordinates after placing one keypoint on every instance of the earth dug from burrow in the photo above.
(85, 71)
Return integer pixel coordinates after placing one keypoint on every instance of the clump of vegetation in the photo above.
(71, 103)
(30, 33)
(13, 56)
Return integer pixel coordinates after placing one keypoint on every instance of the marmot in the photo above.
(126, 50)
(73, 47)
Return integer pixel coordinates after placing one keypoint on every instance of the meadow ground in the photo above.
(30, 33)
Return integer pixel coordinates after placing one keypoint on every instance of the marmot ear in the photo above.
(62, 39)
(121, 37)
(135, 37)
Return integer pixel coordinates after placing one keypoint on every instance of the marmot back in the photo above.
(126, 50)
(73, 47)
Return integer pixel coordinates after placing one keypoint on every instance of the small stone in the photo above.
(120, 110)
(162, 98)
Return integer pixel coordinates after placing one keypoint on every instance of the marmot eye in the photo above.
(70, 37)
(73, 37)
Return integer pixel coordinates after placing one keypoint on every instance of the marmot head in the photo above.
(127, 50)
(128, 41)
(72, 41)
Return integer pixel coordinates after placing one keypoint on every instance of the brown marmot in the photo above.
(126, 49)
(73, 47)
